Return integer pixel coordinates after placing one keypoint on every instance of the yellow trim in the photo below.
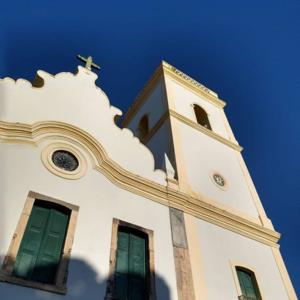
(142, 96)
(284, 274)
(192, 124)
(206, 131)
(155, 128)
(199, 207)
(181, 171)
(193, 85)
(227, 127)
(166, 69)
(60, 284)
(46, 158)
(233, 265)
(261, 211)
(200, 287)
(116, 223)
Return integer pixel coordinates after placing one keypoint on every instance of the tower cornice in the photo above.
(188, 82)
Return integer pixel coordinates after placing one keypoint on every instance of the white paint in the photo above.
(76, 100)
(183, 100)
(100, 201)
(220, 247)
(205, 156)
(153, 106)
(202, 155)
(161, 143)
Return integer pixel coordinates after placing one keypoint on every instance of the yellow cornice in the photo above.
(194, 205)
(180, 77)
(192, 124)
(206, 131)
(193, 85)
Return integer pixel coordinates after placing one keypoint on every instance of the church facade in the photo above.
(162, 207)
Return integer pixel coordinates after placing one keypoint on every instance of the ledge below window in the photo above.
(33, 284)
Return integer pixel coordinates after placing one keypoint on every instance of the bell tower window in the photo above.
(143, 127)
(248, 284)
(201, 116)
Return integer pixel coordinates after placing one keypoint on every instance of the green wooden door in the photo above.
(248, 285)
(42, 244)
(131, 266)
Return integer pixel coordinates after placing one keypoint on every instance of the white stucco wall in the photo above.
(76, 100)
(220, 248)
(204, 156)
(100, 201)
(154, 105)
(160, 144)
(183, 100)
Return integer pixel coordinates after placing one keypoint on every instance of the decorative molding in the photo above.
(166, 69)
(190, 123)
(48, 163)
(178, 159)
(233, 266)
(193, 85)
(155, 128)
(284, 274)
(197, 206)
(206, 131)
(189, 79)
(226, 184)
(142, 95)
(262, 214)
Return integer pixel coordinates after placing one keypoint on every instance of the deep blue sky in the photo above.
(248, 52)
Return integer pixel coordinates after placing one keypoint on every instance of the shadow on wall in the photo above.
(83, 284)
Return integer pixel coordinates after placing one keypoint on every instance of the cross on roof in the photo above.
(88, 62)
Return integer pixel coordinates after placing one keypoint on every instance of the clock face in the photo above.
(219, 180)
(65, 160)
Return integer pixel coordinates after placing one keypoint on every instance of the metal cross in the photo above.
(88, 62)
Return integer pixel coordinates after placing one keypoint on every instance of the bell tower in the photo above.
(184, 124)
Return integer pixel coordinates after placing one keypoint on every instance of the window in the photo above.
(131, 263)
(42, 243)
(201, 116)
(143, 127)
(64, 160)
(248, 284)
(40, 249)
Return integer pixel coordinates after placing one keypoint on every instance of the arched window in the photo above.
(201, 116)
(248, 284)
(143, 127)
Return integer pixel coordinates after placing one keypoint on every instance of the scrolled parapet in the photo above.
(76, 100)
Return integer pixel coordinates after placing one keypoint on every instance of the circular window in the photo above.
(65, 160)
(219, 180)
